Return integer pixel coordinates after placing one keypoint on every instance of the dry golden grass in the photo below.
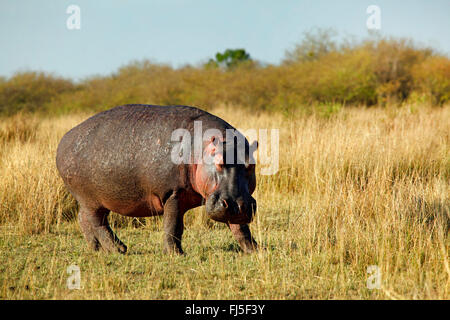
(356, 187)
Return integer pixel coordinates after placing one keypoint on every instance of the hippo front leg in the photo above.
(241, 233)
(173, 226)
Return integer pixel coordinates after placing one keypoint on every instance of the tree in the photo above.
(315, 44)
(229, 59)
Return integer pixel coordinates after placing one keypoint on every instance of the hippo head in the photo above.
(227, 184)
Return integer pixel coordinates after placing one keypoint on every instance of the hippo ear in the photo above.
(218, 161)
(214, 140)
(213, 153)
(250, 159)
(211, 147)
(254, 146)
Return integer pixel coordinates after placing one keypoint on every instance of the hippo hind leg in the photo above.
(87, 229)
(97, 232)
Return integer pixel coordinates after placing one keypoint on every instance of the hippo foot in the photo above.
(106, 241)
(172, 246)
(241, 233)
(248, 247)
(109, 242)
(97, 232)
(173, 250)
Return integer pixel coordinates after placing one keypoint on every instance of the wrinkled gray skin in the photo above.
(120, 160)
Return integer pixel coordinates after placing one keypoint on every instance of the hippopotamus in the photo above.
(122, 160)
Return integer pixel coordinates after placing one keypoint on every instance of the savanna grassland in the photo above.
(364, 179)
(356, 187)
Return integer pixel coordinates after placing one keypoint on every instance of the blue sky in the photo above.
(34, 36)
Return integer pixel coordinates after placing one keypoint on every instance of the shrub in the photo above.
(29, 91)
(432, 78)
(318, 71)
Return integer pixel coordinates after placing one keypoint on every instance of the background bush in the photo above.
(317, 71)
(31, 91)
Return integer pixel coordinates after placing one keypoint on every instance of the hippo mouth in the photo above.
(230, 211)
(229, 218)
